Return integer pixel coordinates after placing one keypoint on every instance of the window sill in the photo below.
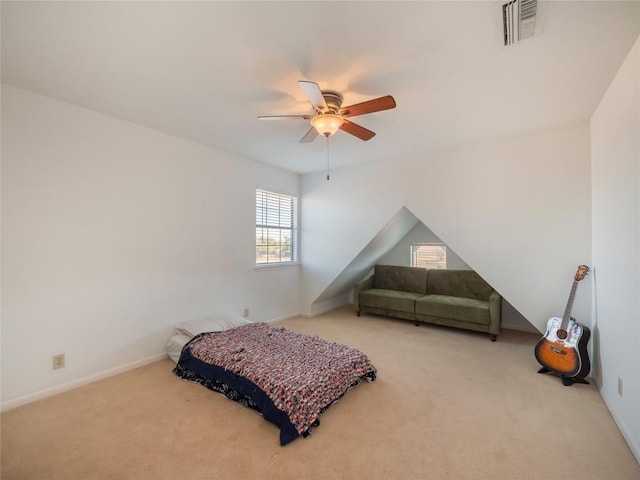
(271, 266)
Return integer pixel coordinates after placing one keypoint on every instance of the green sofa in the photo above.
(455, 298)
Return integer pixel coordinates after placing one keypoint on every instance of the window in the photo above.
(429, 255)
(276, 228)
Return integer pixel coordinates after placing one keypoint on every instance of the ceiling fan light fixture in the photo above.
(327, 123)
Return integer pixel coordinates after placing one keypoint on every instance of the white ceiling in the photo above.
(205, 70)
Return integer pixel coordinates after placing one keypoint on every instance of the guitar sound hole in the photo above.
(561, 334)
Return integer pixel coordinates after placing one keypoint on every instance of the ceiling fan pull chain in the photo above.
(327, 137)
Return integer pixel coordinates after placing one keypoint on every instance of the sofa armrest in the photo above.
(360, 287)
(495, 313)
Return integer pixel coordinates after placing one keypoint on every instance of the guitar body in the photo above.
(564, 350)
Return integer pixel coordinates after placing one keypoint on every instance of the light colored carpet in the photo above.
(447, 404)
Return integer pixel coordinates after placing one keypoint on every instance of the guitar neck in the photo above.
(567, 311)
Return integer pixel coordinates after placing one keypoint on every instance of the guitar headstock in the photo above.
(582, 272)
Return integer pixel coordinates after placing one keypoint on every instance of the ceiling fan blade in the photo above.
(285, 117)
(310, 136)
(314, 94)
(358, 131)
(370, 106)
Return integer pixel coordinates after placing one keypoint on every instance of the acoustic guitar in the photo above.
(563, 348)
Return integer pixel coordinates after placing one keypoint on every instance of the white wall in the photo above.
(111, 233)
(615, 145)
(516, 210)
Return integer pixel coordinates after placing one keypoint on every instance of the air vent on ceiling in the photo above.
(519, 20)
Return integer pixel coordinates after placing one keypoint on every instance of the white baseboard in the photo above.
(49, 392)
(328, 305)
(283, 317)
(520, 327)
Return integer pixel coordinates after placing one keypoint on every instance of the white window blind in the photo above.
(429, 255)
(276, 228)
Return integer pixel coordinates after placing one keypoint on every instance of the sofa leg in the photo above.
(493, 337)
(357, 313)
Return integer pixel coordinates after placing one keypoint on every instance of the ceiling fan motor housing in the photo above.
(333, 100)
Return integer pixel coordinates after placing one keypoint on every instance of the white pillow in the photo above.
(175, 346)
(191, 328)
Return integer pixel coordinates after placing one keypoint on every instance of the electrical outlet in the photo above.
(620, 386)
(246, 313)
(58, 361)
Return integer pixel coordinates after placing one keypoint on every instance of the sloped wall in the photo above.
(401, 252)
(517, 211)
(338, 290)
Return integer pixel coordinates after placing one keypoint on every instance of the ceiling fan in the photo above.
(329, 115)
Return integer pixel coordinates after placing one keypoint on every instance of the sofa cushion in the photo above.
(458, 308)
(389, 299)
(405, 279)
(458, 283)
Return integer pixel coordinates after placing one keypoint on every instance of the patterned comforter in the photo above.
(289, 377)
